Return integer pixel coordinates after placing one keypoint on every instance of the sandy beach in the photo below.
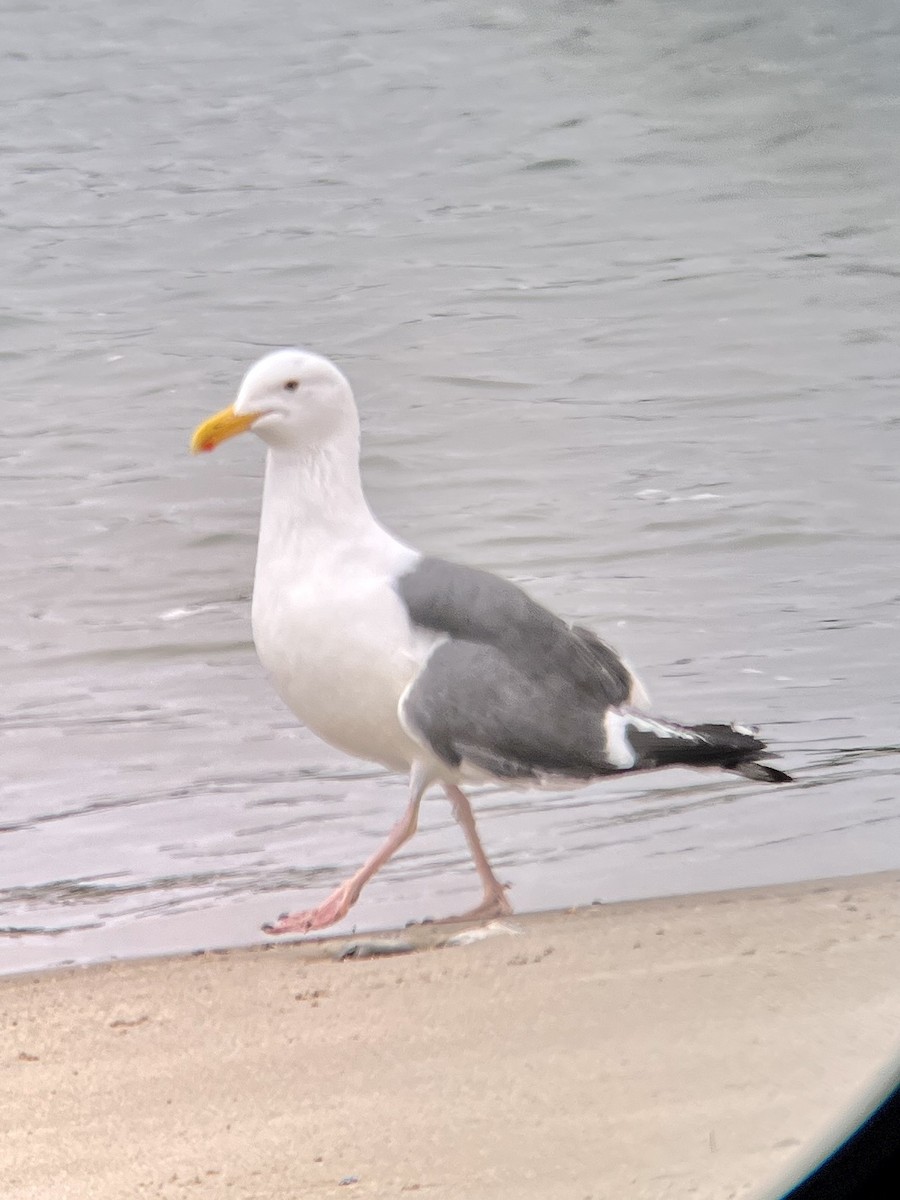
(698, 1046)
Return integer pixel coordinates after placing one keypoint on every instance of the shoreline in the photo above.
(652, 1048)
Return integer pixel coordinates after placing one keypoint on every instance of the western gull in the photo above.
(442, 671)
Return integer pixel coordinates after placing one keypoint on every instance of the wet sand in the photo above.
(698, 1046)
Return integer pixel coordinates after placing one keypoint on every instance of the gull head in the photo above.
(292, 399)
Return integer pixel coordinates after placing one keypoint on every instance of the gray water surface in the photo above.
(617, 287)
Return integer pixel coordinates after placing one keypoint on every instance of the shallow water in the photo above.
(617, 289)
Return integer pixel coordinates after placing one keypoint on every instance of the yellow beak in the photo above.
(225, 424)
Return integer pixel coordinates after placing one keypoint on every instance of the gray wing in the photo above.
(513, 690)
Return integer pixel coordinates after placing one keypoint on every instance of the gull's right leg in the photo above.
(494, 902)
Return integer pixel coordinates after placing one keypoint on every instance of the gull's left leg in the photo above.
(343, 898)
(494, 902)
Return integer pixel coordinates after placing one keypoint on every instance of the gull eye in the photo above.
(291, 385)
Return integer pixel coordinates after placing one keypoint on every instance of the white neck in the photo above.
(312, 494)
(314, 509)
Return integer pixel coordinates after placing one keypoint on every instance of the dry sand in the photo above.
(692, 1047)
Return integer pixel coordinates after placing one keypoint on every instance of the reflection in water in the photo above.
(621, 328)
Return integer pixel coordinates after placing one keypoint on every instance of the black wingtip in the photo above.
(761, 773)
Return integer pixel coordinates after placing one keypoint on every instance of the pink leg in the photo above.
(343, 898)
(494, 902)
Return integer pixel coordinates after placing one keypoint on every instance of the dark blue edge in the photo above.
(866, 1165)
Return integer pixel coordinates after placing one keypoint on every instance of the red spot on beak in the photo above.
(207, 446)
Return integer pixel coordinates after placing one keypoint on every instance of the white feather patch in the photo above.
(619, 751)
(617, 724)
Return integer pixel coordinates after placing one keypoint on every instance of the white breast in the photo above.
(338, 645)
